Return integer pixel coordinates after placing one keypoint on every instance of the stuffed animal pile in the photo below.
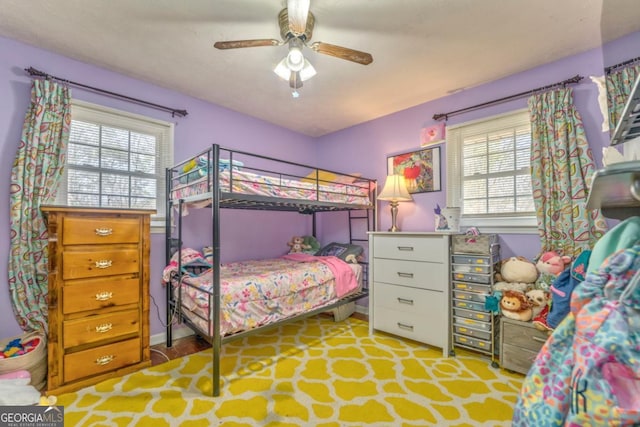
(516, 276)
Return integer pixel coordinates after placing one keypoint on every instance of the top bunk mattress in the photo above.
(248, 183)
(269, 180)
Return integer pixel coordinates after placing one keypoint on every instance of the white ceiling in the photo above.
(422, 49)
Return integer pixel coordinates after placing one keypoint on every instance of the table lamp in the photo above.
(395, 190)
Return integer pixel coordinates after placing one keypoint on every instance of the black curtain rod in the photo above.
(33, 72)
(574, 79)
(611, 68)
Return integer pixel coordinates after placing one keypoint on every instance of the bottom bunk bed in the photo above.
(259, 292)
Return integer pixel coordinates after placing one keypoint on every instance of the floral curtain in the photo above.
(562, 166)
(34, 178)
(619, 85)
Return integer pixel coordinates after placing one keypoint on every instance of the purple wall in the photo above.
(372, 142)
(363, 148)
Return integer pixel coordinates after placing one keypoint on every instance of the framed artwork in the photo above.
(431, 135)
(421, 169)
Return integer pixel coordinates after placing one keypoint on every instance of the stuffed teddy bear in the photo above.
(297, 245)
(514, 305)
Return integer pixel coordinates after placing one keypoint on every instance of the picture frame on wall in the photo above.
(421, 169)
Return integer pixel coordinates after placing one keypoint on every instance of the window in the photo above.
(116, 160)
(489, 173)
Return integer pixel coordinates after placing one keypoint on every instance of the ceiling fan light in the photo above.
(282, 70)
(295, 59)
(307, 71)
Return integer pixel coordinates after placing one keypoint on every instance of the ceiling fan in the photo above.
(296, 28)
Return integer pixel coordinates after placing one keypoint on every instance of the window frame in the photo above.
(164, 132)
(507, 223)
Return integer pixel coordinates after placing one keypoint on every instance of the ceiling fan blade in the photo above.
(235, 44)
(298, 11)
(353, 55)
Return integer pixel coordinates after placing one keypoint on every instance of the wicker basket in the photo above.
(34, 361)
(468, 244)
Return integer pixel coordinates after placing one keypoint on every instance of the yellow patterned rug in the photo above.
(310, 373)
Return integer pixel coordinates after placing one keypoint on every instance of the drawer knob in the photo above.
(104, 231)
(104, 263)
(105, 327)
(105, 360)
(405, 248)
(104, 296)
(405, 275)
(405, 301)
(405, 326)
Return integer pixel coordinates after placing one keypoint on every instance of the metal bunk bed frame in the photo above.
(235, 200)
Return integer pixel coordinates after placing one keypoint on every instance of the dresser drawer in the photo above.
(421, 328)
(97, 294)
(83, 264)
(524, 336)
(100, 230)
(424, 275)
(403, 298)
(97, 328)
(101, 359)
(428, 248)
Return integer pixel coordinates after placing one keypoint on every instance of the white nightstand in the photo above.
(409, 286)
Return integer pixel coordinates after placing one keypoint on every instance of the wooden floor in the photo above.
(193, 344)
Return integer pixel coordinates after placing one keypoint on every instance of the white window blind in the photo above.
(117, 160)
(489, 171)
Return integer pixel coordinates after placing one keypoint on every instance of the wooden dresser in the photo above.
(409, 286)
(520, 343)
(98, 295)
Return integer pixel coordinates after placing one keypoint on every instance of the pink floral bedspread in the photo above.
(259, 292)
(261, 185)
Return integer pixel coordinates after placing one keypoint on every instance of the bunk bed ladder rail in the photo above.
(355, 237)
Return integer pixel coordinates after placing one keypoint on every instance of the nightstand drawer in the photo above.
(100, 230)
(424, 275)
(98, 294)
(517, 359)
(101, 359)
(102, 327)
(430, 248)
(524, 336)
(403, 298)
(82, 264)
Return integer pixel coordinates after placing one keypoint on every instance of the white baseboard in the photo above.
(179, 331)
(362, 309)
